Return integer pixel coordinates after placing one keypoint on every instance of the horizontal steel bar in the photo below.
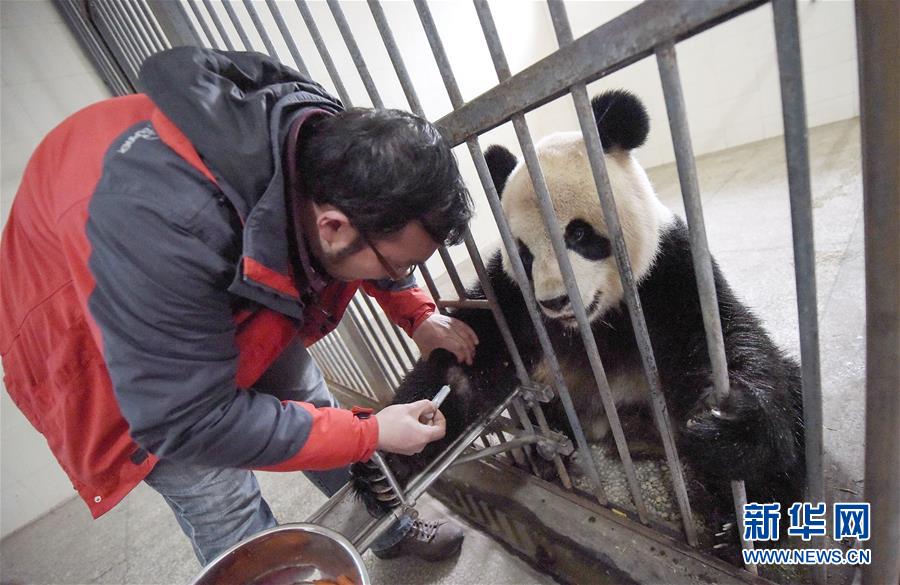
(496, 449)
(620, 42)
(464, 304)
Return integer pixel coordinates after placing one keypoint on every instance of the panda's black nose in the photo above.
(556, 304)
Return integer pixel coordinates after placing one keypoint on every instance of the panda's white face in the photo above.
(568, 174)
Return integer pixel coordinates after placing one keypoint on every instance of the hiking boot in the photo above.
(431, 541)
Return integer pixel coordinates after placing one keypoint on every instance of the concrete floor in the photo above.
(748, 222)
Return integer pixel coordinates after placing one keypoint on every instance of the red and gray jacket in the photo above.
(147, 281)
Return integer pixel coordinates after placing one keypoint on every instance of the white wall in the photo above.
(729, 75)
(43, 78)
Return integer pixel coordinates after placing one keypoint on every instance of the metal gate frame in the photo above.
(369, 356)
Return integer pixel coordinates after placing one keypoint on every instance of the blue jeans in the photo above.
(219, 507)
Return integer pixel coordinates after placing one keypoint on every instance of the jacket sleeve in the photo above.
(163, 313)
(404, 302)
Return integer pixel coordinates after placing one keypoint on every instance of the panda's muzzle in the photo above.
(556, 305)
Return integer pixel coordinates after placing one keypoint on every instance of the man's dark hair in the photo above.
(383, 169)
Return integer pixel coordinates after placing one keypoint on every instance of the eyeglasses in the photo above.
(393, 273)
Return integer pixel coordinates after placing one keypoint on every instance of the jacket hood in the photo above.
(235, 108)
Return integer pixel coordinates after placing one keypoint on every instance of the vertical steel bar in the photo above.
(174, 22)
(323, 362)
(131, 63)
(878, 40)
(790, 67)
(133, 41)
(559, 247)
(199, 16)
(429, 282)
(632, 299)
(288, 37)
(387, 36)
(329, 349)
(143, 35)
(150, 22)
(703, 269)
(519, 365)
(516, 261)
(323, 52)
(401, 340)
(236, 21)
(328, 359)
(452, 273)
(414, 103)
(384, 356)
(355, 53)
(344, 353)
(260, 29)
(217, 22)
(355, 311)
(112, 73)
(385, 335)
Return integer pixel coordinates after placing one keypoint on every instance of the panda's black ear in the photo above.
(621, 118)
(501, 163)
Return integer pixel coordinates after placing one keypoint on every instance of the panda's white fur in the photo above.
(566, 168)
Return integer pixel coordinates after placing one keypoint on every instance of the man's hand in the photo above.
(441, 331)
(400, 429)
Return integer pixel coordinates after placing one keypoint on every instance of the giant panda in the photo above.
(755, 435)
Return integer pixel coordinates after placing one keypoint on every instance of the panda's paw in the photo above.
(724, 433)
(371, 486)
(726, 540)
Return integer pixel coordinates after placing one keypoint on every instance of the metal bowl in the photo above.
(290, 554)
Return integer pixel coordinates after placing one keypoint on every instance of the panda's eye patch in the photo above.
(582, 238)
(527, 257)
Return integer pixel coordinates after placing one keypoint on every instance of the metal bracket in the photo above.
(535, 392)
(551, 443)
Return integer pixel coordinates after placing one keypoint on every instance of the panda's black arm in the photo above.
(756, 432)
(476, 388)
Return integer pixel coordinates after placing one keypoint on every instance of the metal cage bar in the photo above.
(260, 29)
(521, 277)
(344, 28)
(472, 249)
(878, 37)
(288, 37)
(702, 259)
(385, 334)
(150, 23)
(551, 224)
(632, 299)
(217, 22)
(112, 72)
(101, 17)
(620, 42)
(195, 9)
(355, 317)
(144, 37)
(238, 27)
(395, 374)
(323, 52)
(790, 68)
